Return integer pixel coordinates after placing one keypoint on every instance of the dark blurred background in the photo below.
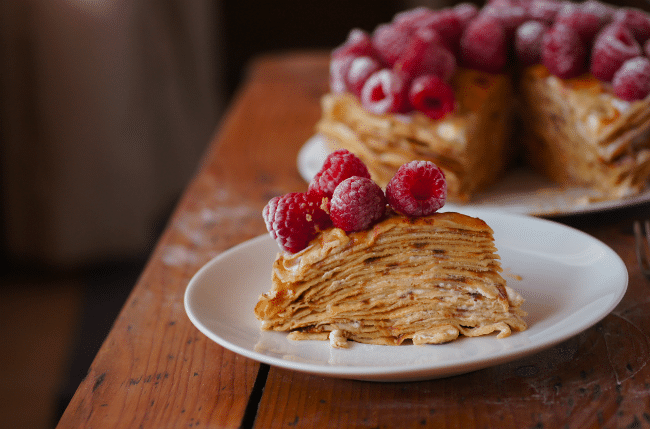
(106, 107)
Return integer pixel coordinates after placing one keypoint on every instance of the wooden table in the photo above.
(156, 370)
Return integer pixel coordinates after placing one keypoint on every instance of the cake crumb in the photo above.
(338, 339)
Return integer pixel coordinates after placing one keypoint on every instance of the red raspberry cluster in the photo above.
(610, 43)
(343, 195)
(406, 64)
(403, 65)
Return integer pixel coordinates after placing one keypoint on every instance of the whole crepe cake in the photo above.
(565, 84)
(382, 267)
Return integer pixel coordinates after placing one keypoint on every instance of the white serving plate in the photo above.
(569, 279)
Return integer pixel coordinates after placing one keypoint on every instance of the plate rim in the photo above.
(412, 372)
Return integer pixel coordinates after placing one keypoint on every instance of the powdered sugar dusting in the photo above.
(204, 231)
(632, 81)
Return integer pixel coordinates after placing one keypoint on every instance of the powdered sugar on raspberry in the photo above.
(465, 12)
(389, 41)
(563, 52)
(543, 10)
(583, 21)
(614, 45)
(528, 42)
(361, 68)
(357, 203)
(510, 16)
(483, 45)
(385, 92)
(569, 38)
(426, 54)
(293, 220)
(338, 166)
(339, 68)
(358, 43)
(632, 81)
(432, 96)
(636, 20)
(419, 188)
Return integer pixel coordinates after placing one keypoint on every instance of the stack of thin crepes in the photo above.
(580, 133)
(426, 279)
(471, 145)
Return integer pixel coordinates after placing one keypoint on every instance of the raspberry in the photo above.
(603, 11)
(293, 220)
(528, 42)
(613, 46)
(582, 21)
(357, 203)
(385, 92)
(501, 3)
(390, 40)
(636, 20)
(338, 166)
(646, 48)
(339, 68)
(419, 188)
(358, 43)
(447, 24)
(510, 16)
(465, 12)
(425, 54)
(412, 18)
(632, 81)
(563, 52)
(543, 10)
(359, 71)
(432, 96)
(483, 44)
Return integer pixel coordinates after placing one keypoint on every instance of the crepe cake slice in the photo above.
(582, 134)
(471, 144)
(427, 280)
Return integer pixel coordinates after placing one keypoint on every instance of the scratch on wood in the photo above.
(631, 372)
(99, 380)
(636, 423)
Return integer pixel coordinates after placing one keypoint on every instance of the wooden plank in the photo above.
(155, 370)
(596, 379)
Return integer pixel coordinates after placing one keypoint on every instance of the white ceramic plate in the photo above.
(569, 279)
(522, 191)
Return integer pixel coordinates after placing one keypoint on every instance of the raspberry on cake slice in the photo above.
(294, 219)
(357, 203)
(418, 188)
(389, 270)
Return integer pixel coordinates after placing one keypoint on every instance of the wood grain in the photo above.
(156, 370)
